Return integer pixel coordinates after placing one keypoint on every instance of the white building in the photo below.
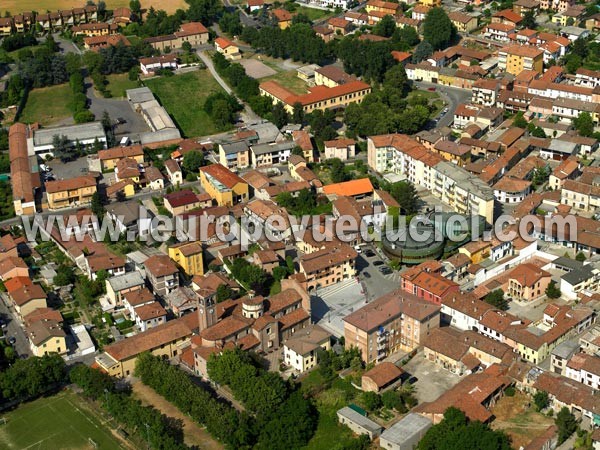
(511, 190)
(86, 134)
(149, 315)
(585, 369)
(301, 350)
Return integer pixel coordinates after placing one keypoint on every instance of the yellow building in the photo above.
(6, 26)
(382, 7)
(318, 98)
(110, 157)
(46, 337)
(224, 187)
(283, 17)
(71, 192)
(227, 48)
(516, 58)
(167, 340)
(188, 255)
(432, 3)
(28, 298)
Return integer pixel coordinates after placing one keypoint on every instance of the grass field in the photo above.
(17, 6)
(61, 421)
(118, 84)
(183, 97)
(48, 105)
(313, 13)
(288, 80)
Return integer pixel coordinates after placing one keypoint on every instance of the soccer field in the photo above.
(61, 421)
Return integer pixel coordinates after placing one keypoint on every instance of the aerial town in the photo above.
(300, 224)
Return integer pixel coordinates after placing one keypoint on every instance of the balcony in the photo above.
(381, 338)
(381, 347)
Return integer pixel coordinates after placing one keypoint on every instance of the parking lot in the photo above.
(370, 269)
(330, 305)
(65, 170)
(432, 381)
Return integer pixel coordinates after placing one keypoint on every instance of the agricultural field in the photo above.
(17, 6)
(61, 421)
(48, 106)
(183, 97)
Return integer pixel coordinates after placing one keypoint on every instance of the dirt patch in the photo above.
(193, 434)
(257, 69)
(518, 418)
(18, 6)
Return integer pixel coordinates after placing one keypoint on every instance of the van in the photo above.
(125, 141)
(358, 249)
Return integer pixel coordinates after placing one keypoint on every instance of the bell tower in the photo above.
(207, 313)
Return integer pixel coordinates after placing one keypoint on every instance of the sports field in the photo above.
(62, 421)
(18, 6)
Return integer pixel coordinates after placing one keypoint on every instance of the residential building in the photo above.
(584, 368)
(381, 7)
(224, 187)
(27, 299)
(283, 17)
(560, 356)
(97, 43)
(227, 48)
(340, 148)
(304, 141)
(580, 196)
(162, 274)
(174, 172)
(328, 266)
(46, 337)
(94, 29)
(179, 202)
(117, 287)
(193, 32)
(318, 97)
(110, 157)
(396, 321)
(149, 316)
(568, 169)
(524, 6)
(188, 255)
(508, 17)
(499, 31)
(166, 340)
(453, 185)
(463, 311)
(511, 190)
(300, 351)
(271, 154)
(339, 25)
(426, 284)
(235, 155)
(152, 64)
(71, 192)
(130, 216)
(516, 58)
(358, 189)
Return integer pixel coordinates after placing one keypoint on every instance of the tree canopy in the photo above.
(438, 29)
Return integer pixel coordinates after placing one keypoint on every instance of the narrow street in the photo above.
(13, 327)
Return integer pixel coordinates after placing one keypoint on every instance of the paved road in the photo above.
(453, 97)
(13, 328)
(134, 123)
(66, 46)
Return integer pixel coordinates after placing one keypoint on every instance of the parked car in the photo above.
(378, 263)
(385, 270)
(120, 121)
(370, 253)
(366, 274)
(432, 89)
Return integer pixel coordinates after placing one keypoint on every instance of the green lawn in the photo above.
(118, 84)
(47, 105)
(289, 80)
(183, 97)
(61, 421)
(313, 13)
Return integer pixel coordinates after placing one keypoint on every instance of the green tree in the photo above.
(192, 161)
(371, 400)
(224, 292)
(406, 195)
(64, 275)
(580, 257)
(584, 124)
(205, 11)
(438, 29)
(396, 78)
(423, 51)
(97, 205)
(455, 432)
(552, 291)
(496, 298)
(385, 27)
(566, 423)
(541, 400)
(298, 113)
(136, 8)
(519, 121)
(280, 115)
(529, 20)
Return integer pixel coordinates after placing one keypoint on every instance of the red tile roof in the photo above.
(349, 188)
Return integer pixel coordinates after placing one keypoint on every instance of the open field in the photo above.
(257, 69)
(313, 13)
(48, 105)
(193, 434)
(61, 421)
(17, 6)
(183, 97)
(519, 420)
(119, 83)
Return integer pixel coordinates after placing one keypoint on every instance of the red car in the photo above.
(431, 89)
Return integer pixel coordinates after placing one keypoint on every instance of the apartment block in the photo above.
(516, 58)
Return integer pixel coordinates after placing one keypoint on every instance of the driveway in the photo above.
(14, 328)
(134, 123)
(66, 46)
(375, 283)
(432, 381)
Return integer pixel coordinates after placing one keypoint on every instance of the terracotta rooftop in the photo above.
(160, 266)
(383, 374)
(222, 174)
